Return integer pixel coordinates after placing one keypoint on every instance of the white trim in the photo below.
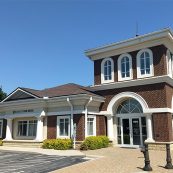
(165, 36)
(139, 75)
(58, 124)
(169, 63)
(71, 117)
(120, 78)
(19, 89)
(94, 125)
(119, 97)
(86, 114)
(102, 70)
(142, 81)
(1, 128)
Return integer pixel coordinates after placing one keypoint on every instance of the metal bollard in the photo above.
(147, 166)
(168, 158)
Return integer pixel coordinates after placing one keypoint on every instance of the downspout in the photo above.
(86, 114)
(71, 117)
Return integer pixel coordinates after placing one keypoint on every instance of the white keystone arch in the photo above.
(120, 97)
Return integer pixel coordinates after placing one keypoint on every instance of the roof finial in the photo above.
(137, 29)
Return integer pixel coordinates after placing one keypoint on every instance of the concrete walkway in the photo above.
(45, 151)
(119, 160)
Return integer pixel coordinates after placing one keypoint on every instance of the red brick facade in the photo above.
(101, 125)
(51, 127)
(162, 127)
(159, 63)
(80, 126)
(79, 119)
(156, 95)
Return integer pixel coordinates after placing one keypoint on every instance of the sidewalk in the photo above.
(45, 151)
(119, 160)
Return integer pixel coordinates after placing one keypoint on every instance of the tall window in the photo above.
(145, 63)
(124, 67)
(107, 68)
(91, 126)
(1, 127)
(63, 126)
(27, 128)
(169, 63)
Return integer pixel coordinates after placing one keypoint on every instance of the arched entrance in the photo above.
(131, 123)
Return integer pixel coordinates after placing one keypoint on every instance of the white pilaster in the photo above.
(9, 130)
(110, 127)
(149, 128)
(39, 134)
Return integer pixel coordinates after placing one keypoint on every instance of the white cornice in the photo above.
(164, 36)
(136, 82)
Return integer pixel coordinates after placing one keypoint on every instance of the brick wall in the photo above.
(100, 125)
(80, 126)
(159, 62)
(51, 127)
(156, 95)
(162, 127)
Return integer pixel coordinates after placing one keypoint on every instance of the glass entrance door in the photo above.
(136, 132)
(126, 131)
(131, 132)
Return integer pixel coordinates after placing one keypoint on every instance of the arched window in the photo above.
(145, 63)
(124, 67)
(129, 106)
(107, 71)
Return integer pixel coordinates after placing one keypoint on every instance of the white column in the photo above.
(110, 127)
(9, 130)
(149, 128)
(39, 134)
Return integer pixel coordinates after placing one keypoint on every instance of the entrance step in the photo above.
(22, 143)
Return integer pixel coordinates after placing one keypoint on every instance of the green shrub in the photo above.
(95, 142)
(1, 143)
(57, 144)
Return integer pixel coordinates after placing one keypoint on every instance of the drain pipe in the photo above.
(71, 116)
(86, 115)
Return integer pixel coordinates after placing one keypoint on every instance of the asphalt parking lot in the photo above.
(19, 162)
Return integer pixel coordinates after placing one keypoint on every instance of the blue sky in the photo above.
(42, 42)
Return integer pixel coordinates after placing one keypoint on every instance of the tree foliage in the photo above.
(3, 95)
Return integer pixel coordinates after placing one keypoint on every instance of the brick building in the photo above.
(130, 101)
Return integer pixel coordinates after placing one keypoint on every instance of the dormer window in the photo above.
(145, 63)
(107, 70)
(124, 67)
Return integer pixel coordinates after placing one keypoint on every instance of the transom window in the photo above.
(129, 106)
(63, 126)
(145, 63)
(124, 67)
(27, 128)
(107, 68)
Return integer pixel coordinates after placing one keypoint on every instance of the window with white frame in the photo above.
(27, 128)
(145, 63)
(124, 67)
(107, 70)
(63, 126)
(169, 63)
(1, 128)
(91, 125)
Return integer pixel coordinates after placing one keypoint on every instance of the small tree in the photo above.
(3, 95)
